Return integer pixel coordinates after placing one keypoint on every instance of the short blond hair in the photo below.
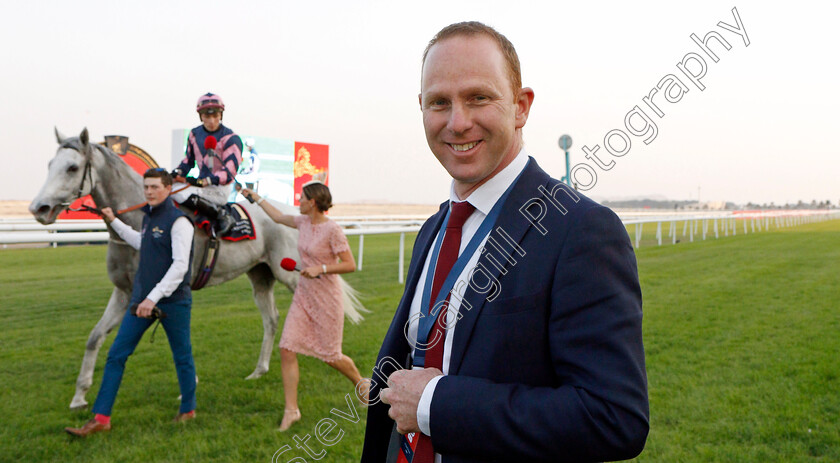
(474, 28)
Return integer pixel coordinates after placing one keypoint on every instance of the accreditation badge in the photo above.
(408, 443)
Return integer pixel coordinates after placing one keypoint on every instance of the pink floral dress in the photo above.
(315, 323)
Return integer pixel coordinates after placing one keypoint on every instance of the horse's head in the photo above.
(69, 177)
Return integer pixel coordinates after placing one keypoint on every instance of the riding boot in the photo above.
(222, 220)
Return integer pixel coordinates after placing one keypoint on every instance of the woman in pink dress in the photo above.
(315, 322)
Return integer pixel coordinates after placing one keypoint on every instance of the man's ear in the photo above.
(524, 100)
(420, 100)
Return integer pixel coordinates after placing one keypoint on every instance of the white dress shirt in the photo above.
(483, 199)
(182, 237)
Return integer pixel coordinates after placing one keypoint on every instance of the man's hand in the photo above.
(144, 310)
(403, 394)
(108, 214)
(199, 182)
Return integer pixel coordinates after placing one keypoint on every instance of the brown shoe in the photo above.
(181, 417)
(91, 427)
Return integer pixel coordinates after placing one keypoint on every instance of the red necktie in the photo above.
(424, 453)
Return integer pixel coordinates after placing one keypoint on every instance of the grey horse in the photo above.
(80, 168)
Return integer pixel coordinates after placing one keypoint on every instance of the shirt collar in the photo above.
(485, 196)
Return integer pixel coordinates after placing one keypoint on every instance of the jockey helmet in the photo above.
(209, 102)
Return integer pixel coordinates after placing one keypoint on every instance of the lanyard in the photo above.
(427, 321)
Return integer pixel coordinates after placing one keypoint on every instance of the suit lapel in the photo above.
(397, 344)
(514, 225)
(424, 239)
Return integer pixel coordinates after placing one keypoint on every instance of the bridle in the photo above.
(86, 174)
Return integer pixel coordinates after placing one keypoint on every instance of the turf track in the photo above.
(742, 336)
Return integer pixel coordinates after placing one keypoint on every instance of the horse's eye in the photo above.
(73, 168)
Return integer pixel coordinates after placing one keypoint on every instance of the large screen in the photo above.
(275, 168)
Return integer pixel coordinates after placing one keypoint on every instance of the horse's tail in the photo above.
(353, 307)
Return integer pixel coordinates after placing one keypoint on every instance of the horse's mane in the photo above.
(112, 160)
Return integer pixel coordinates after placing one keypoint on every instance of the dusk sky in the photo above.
(347, 74)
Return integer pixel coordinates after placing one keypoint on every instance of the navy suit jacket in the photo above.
(547, 360)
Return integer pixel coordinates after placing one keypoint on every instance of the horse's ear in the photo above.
(59, 136)
(83, 137)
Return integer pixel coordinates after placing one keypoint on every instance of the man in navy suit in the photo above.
(537, 353)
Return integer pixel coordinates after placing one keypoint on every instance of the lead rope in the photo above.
(138, 206)
(152, 338)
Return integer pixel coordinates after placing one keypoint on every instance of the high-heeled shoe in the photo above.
(290, 416)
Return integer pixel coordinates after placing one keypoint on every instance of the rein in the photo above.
(97, 211)
(86, 208)
(89, 175)
(138, 206)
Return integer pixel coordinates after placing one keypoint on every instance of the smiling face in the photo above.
(472, 116)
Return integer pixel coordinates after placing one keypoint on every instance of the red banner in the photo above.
(311, 163)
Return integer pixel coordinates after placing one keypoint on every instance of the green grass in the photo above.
(51, 298)
(741, 336)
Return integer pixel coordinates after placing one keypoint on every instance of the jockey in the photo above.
(216, 167)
